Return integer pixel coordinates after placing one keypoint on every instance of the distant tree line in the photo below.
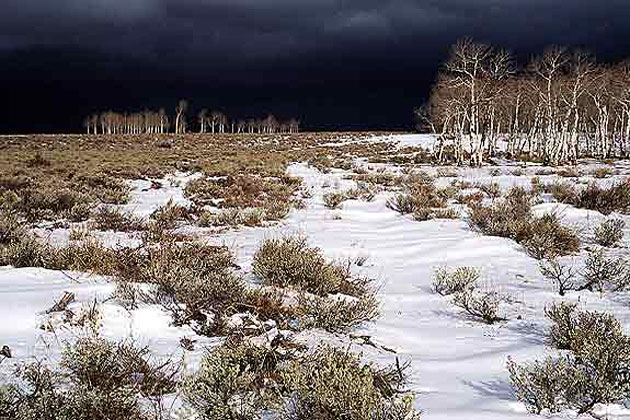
(562, 106)
(151, 122)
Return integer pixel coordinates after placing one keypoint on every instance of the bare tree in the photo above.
(180, 116)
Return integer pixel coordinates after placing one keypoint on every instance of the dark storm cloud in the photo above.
(334, 60)
(259, 29)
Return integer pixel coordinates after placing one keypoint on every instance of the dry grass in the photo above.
(52, 174)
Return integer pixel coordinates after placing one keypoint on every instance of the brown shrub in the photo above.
(111, 218)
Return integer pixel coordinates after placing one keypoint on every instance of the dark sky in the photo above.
(333, 63)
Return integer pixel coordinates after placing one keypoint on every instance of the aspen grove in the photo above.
(562, 106)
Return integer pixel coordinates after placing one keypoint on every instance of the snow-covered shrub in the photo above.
(546, 237)
(605, 273)
(482, 305)
(226, 217)
(602, 172)
(541, 385)
(333, 200)
(421, 197)
(337, 314)
(594, 371)
(27, 251)
(447, 282)
(235, 381)
(95, 379)
(615, 198)
(278, 209)
(492, 190)
(80, 212)
(446, 214)
(542, 237)
(610, 232)
(167, 216)
(290, 261)
(332, 384)
(577, 330)
(568, 172)
(11, 227)
(402, 203)
(563, 192)
(194, 282)
(107, 218)
(564, 277)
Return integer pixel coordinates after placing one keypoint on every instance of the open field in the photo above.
(261, 253)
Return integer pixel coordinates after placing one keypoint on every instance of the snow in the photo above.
(457, 365)
(147, 199)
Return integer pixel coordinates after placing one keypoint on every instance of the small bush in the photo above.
(114, 219)
(615, 198)
(602, 172)
(231, 382)
(542, 237)
(402, 203)
(337, 314)
(541, 385)
(594, 371)
(563, 277)
(610, 232)
(167, 216)
(481, 305)
(602, 273)
(11, 227)
(545, 237)
(332, 384)
(563, 192)
(333, 200)
(96, 379)
(447, 282)
(290, 262)
(492, 190)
